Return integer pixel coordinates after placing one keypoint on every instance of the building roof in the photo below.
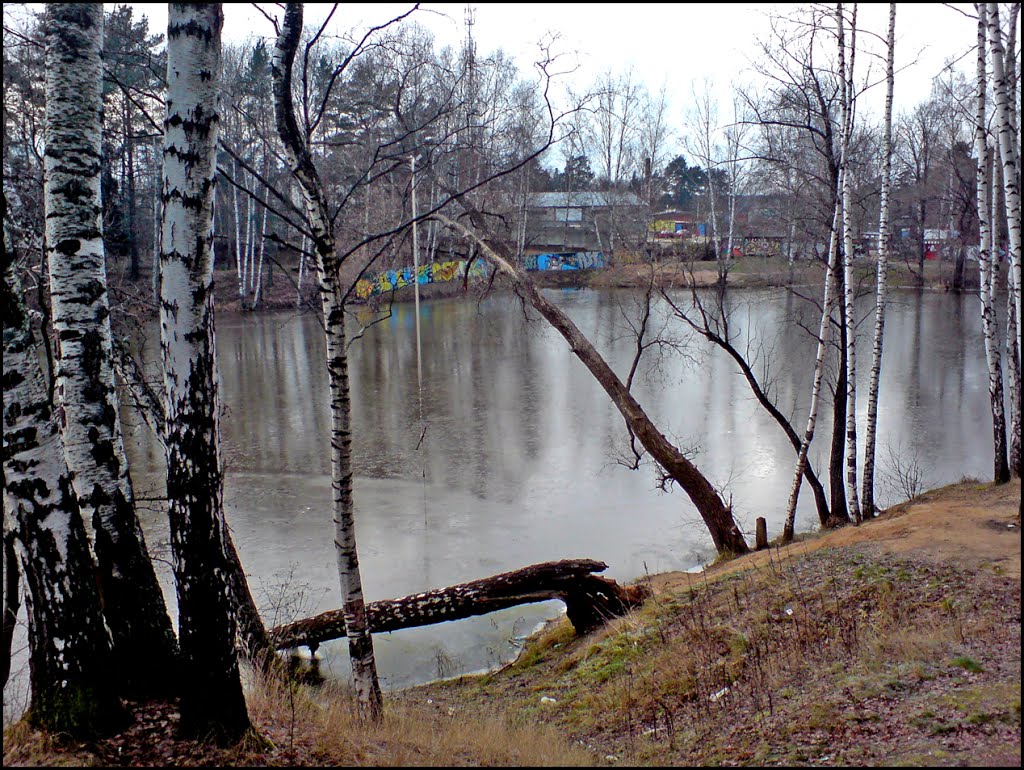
(583, 199)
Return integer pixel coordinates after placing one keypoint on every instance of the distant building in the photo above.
(673, 224)
(584, 221)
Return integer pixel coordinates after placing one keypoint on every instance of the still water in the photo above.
(518, 458)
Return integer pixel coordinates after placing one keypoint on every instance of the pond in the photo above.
(520, 455)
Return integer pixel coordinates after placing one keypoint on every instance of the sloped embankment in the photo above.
(895, 643)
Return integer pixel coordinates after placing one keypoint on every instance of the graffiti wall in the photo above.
(455, 270)
(437, 272)
(573, 260)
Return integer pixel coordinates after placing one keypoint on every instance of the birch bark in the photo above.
(1001, 470)
(133, 603)
(70, 664)
(868, 480)
(1004, 71)
(212, 703)
(824, 331)
(850, 318)
(1009, 146)
(332, 296)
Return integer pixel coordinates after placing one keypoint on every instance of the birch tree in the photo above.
(332, 297)
(212, 703)
(868, 480)
(1001, 470)
(1003, 88)
(71, 672)
(824, 330)
(133, 604)
(848, 104)
(704, 123)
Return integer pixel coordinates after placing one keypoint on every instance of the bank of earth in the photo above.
(746, 273)
(894, 643)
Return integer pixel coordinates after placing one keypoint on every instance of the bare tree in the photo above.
(132, 601)
(714, 325)
(868, 479)
(716, 514)
(71, 670)
(332, 296)
(1001, 472)
(212, 703)
(848, 106)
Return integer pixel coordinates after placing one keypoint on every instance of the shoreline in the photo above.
(751, 273)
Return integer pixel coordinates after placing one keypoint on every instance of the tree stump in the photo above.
(761, 536)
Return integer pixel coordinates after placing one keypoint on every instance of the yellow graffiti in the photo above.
(363, 288)
(445, 271)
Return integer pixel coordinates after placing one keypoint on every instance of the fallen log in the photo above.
(589, 599)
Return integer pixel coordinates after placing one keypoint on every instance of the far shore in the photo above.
(747, 273)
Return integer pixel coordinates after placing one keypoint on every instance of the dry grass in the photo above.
(298, 726)
(811, 659)
(324, 724)
(896, 643)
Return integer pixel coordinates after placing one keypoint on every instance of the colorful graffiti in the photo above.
(437, 272)
(573, 260)
(762, 247)
(455, 270)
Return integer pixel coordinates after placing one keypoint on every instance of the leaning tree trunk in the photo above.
(133, 604)
(590, 602)
(824, 331)
(716, 514)
(212, 703)
(849, 289)
(332, 296)
(868, 480)
(1001, 470)
(71, 671)
(722, 341)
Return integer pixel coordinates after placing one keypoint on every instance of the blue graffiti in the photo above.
(581, 260)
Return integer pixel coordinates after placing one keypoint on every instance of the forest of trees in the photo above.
(140, 163)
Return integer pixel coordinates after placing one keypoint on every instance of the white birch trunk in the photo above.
(302, 270)
(1009, 147)
(868, 480)
(849, 290)
(238, 238)
(211, 698)
(71, 670)
(156, 229)
(91, 431)
(247, 264)
(715, 244)
(732, 222)
(1013, 355)
(792, 248)
(1001, 472)
(824, 331)
(332, 295)
(259, 271)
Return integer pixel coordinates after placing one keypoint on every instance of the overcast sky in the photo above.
(675, 45)
(671, 44)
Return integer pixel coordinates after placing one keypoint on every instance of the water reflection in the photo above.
(517, 462)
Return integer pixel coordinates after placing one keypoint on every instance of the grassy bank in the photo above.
(897, 642)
